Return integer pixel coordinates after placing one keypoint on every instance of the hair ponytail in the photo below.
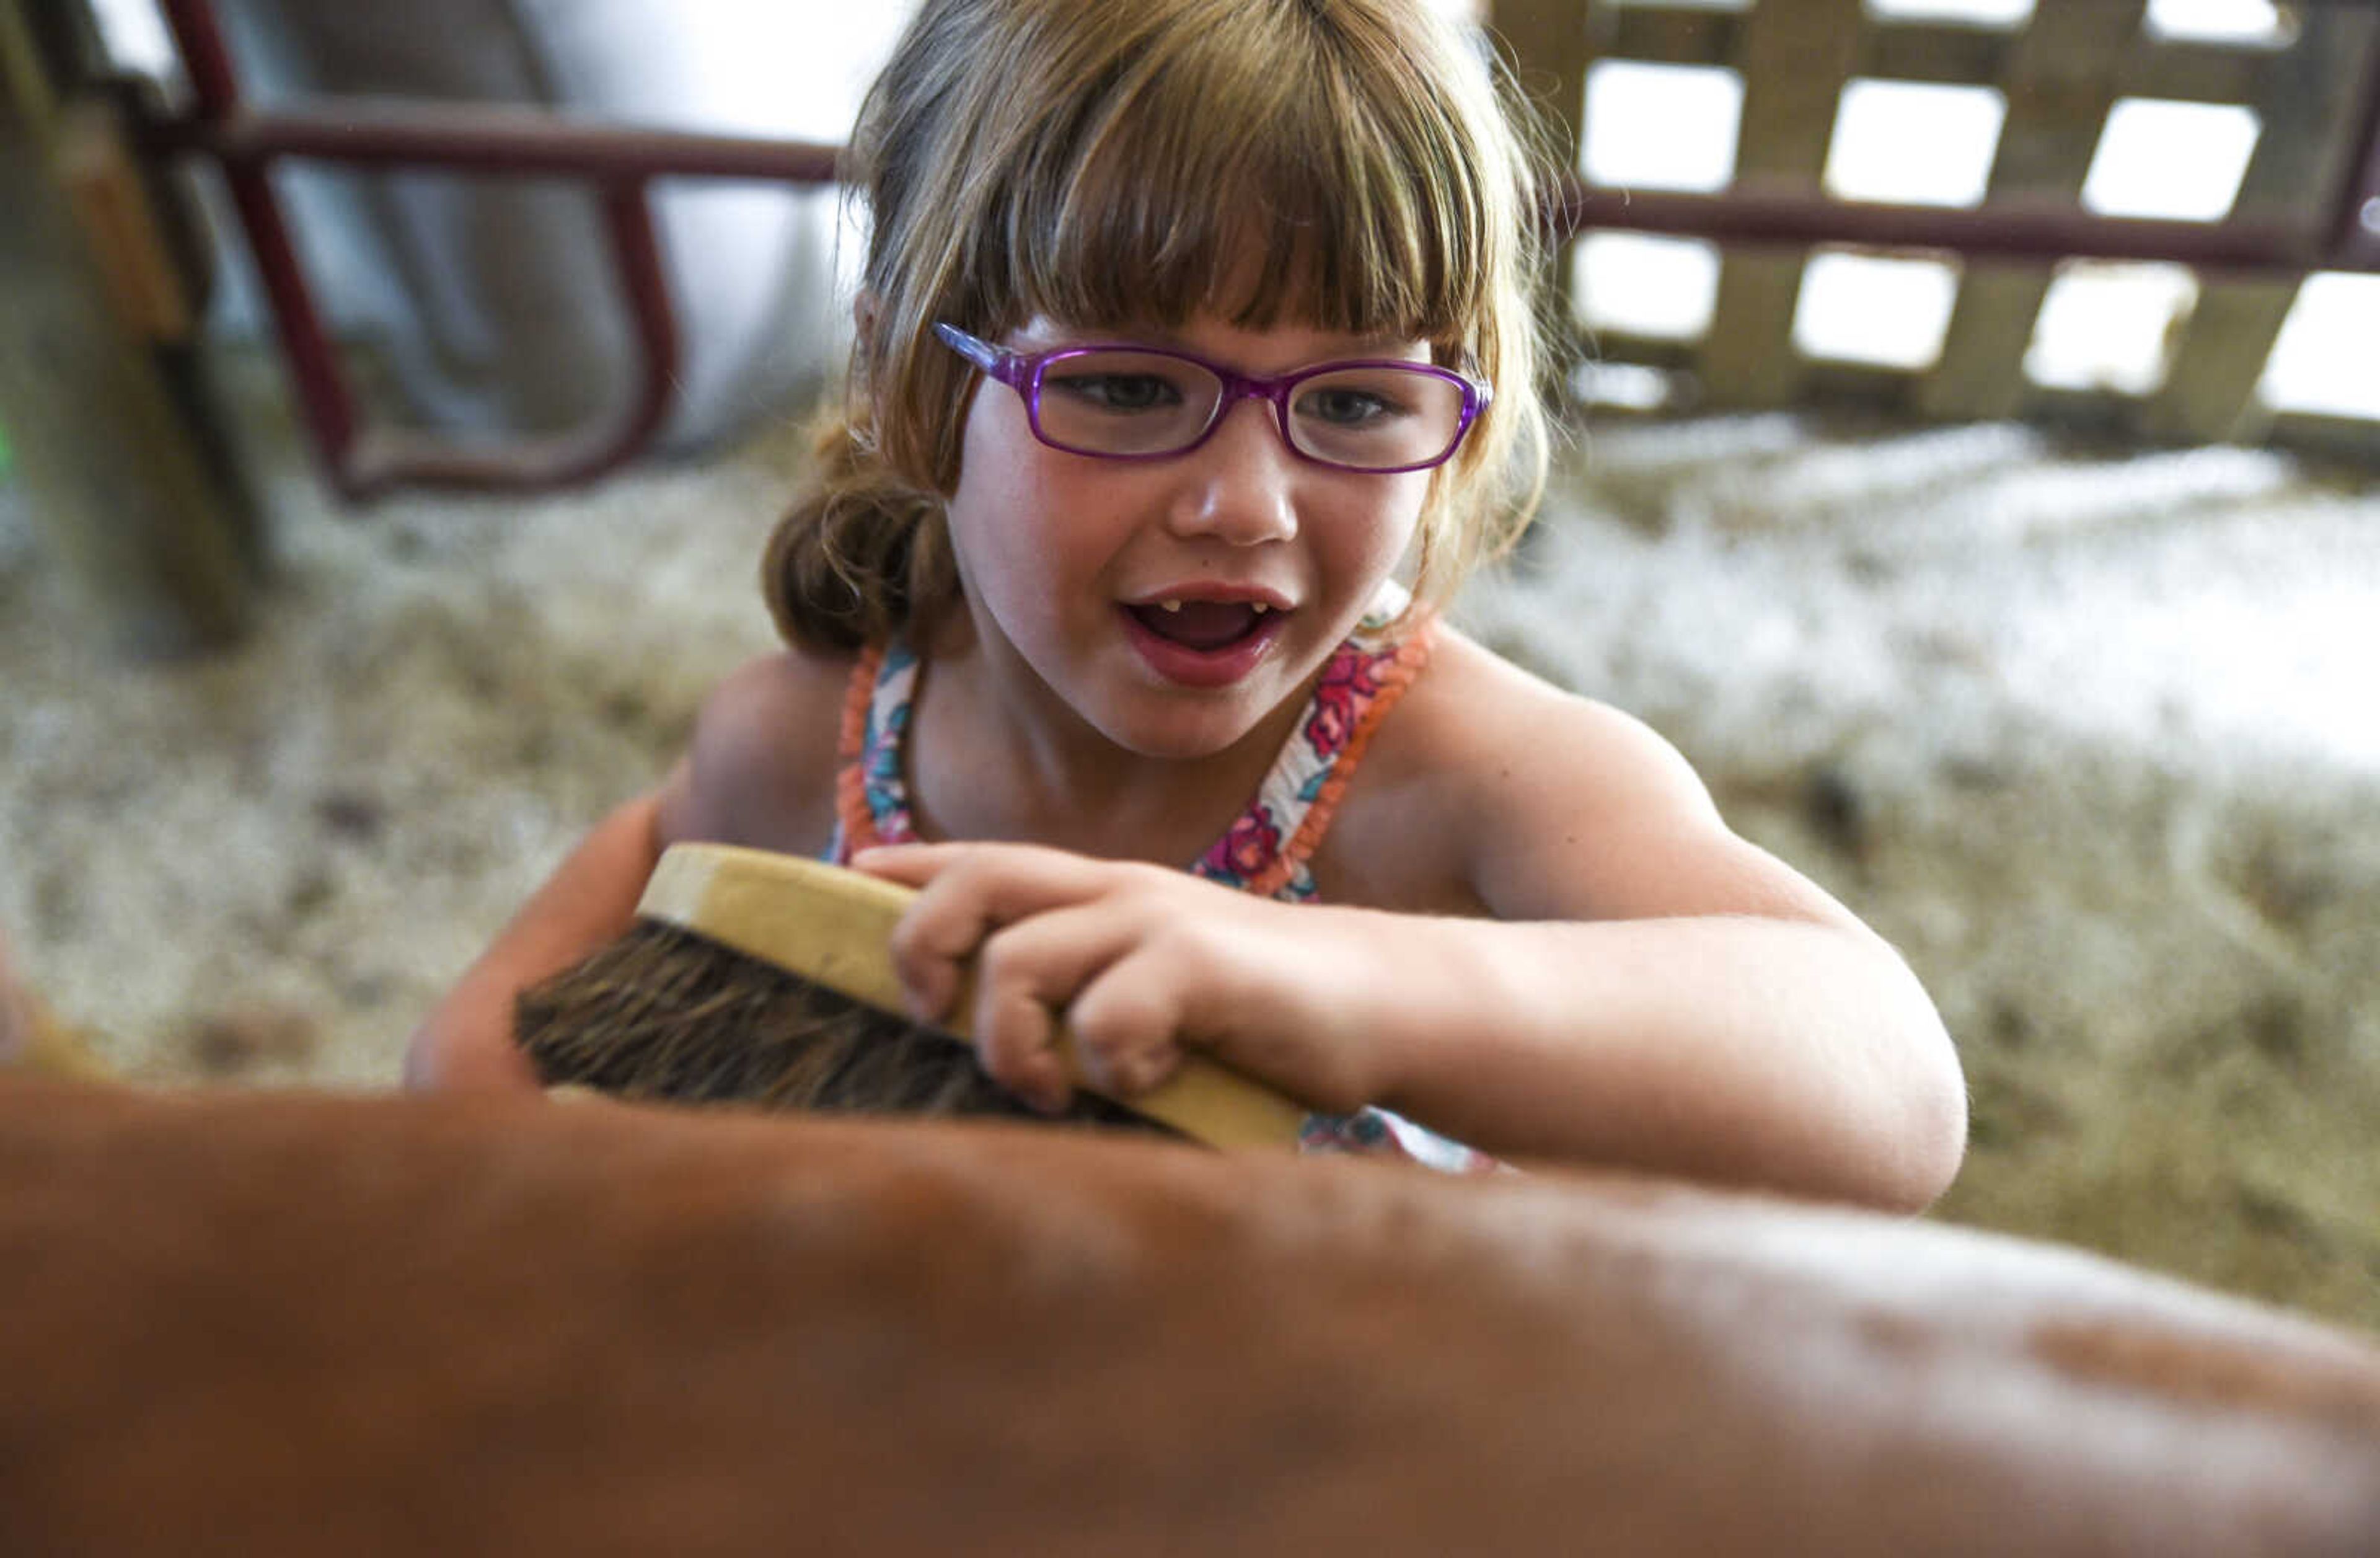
(860, 555)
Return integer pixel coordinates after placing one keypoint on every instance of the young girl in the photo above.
(1188, 326)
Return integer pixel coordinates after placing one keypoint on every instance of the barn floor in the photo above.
(2087, 731)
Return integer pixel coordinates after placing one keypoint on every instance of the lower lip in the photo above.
(1197, 667)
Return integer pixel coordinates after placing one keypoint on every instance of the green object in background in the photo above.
(5, 460)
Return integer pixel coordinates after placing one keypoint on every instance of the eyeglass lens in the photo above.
(1375, 418)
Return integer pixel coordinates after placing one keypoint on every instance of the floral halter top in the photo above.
(1267, 850)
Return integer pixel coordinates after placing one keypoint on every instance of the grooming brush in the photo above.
(767, 979)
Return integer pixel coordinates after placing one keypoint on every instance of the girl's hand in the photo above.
(1144, 963)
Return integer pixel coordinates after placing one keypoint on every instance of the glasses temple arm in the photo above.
(995, 361)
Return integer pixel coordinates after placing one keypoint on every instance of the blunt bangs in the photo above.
(1290, 169)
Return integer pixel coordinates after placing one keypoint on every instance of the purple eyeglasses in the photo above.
(1124, 402)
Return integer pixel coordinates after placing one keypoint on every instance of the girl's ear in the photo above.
(864, 310)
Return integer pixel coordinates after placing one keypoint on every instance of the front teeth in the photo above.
(1256, 607)
(1260, 608)
(1171, 605)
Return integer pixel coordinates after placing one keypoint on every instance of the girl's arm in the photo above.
(1651, 991)
(1740, 1049)
(467, 1041)
(759, 771)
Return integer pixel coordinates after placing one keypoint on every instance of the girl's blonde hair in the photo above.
(1344, 165)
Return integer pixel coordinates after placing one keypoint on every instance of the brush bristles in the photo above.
(662, 1013)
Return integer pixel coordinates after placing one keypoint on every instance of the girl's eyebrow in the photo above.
(1159, 335)
(1056, 333)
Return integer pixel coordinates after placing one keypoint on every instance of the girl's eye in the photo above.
(1118, 392)
(1343, 407)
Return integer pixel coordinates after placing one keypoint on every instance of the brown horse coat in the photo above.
(272, 1322)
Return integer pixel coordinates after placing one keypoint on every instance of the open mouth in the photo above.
(1204, 626)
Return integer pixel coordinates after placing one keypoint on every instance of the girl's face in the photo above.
(1076, 565)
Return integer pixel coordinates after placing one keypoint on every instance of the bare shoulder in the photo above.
(1516, 739)
(1545, 804)
(762, 767)
(1442, 771)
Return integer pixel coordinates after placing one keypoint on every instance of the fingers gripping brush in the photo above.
(767, 979)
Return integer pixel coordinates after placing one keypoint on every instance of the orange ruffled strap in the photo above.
(1392, 678)
(857, 828)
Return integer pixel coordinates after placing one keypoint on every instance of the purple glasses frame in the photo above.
(1022, 372)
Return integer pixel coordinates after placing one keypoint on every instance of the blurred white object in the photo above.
(491, 299)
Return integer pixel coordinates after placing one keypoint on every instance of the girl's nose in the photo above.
(1240, 485)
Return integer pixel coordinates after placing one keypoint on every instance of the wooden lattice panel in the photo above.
(2060, 72)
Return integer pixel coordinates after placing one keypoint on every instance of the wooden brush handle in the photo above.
(833, 927)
